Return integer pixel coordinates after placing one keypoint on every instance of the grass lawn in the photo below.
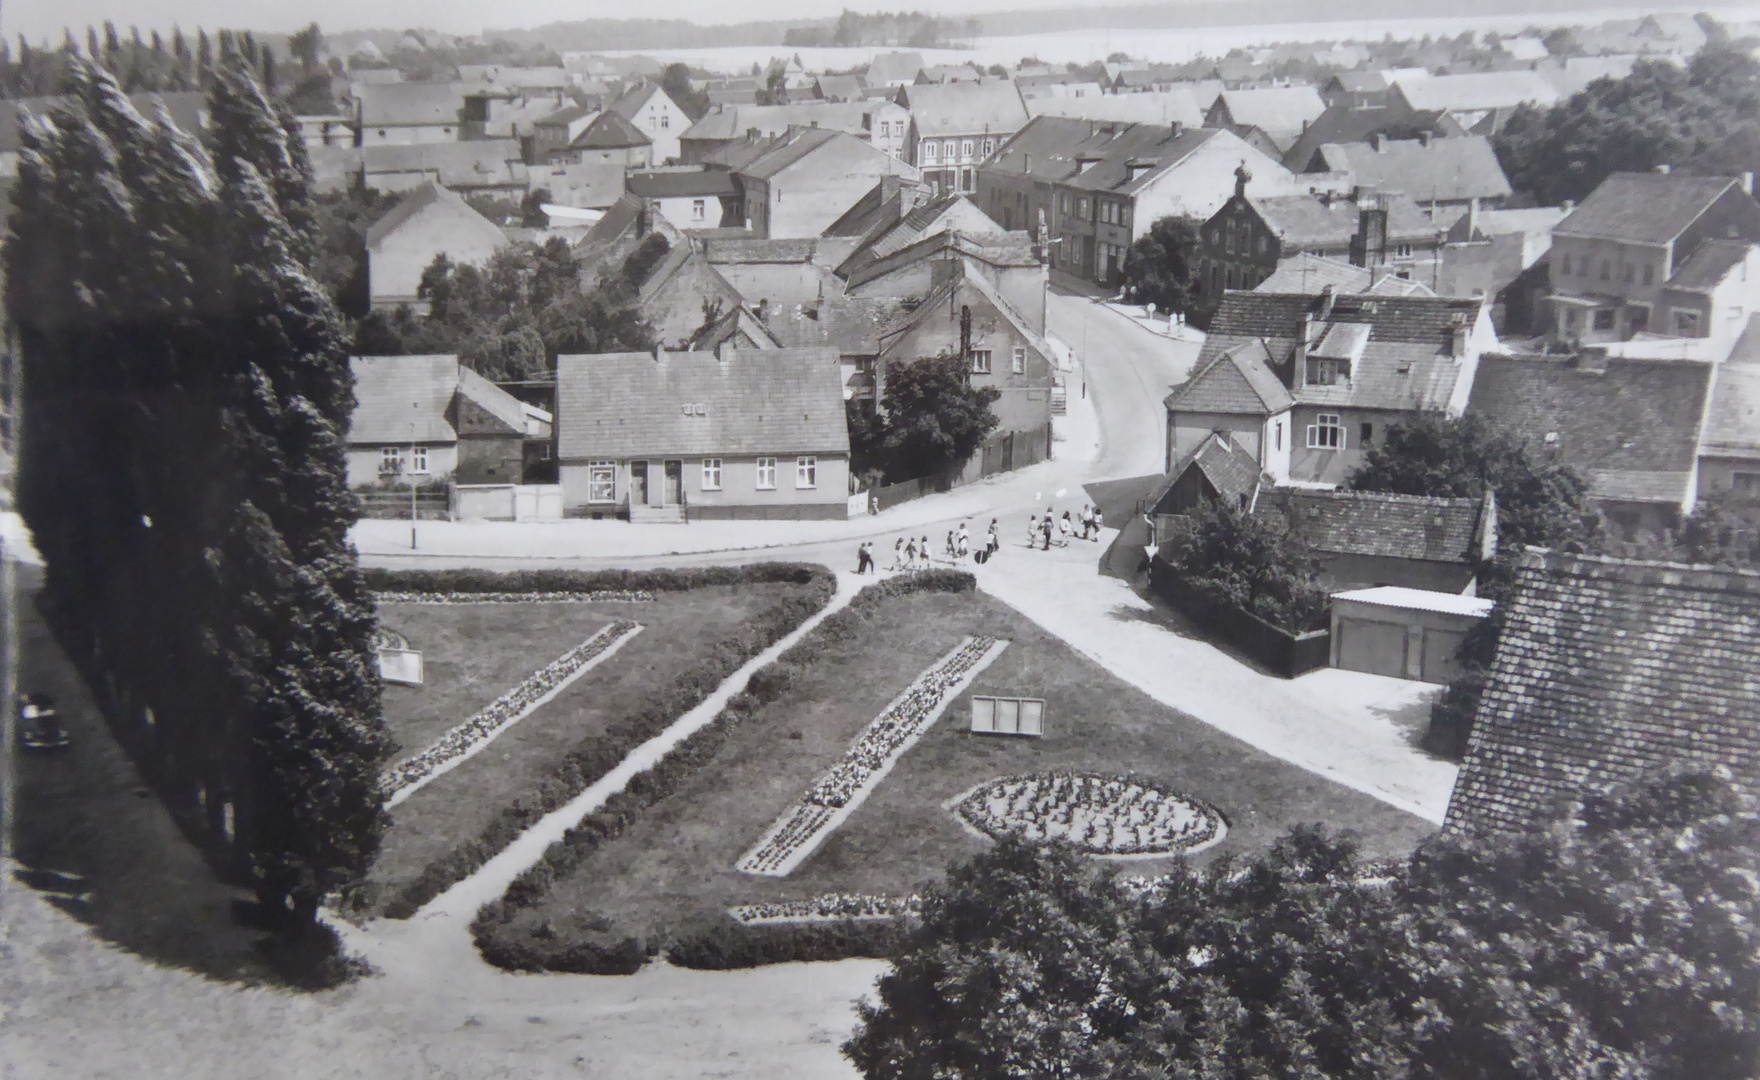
(481, 651)
(673, 868)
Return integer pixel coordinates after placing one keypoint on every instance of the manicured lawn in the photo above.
(507, 642)
(673, 868)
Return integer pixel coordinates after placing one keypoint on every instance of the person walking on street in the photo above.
(995, 541)
(910, 555)
(1099, 523)
(962, 542)
(928, 560)
(1064, 530)
(1087, 520)
(864, 558)
(1045, 530)
(1032, 529)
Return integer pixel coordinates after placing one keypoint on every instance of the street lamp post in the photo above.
(412, 479)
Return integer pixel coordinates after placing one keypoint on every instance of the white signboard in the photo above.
(401, 666)
(1008, 716)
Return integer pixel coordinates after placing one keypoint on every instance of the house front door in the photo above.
(674, 482)
(638, 483)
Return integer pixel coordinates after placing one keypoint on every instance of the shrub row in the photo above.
(505, 946)
(470, 580)
(592, 758)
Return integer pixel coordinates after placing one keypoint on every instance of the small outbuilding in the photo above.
(1403, 633)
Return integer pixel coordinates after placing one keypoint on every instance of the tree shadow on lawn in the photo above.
(1412, 718)
(93, 838)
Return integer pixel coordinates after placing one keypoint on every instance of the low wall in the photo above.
(391, 503)
(835, 511)
(1282, 652)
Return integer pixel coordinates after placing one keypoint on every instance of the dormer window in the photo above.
(1328, 372)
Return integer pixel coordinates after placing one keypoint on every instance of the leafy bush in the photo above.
(529, 949)
(471, 580)
(1245, 561)
(598, 755)
(731, 945)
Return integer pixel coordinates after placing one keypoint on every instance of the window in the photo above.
(1325, 433)
(1365, 434)
(1019, 364)
(1638, 318)
(699, 210)
(1277, 436)
(965, 148)
(711, 474)
(1082, 207)
(1570, 318)
(1686, 322)
(418, 459)
(952, 149)
(1606, 269)
(928, 151)
(665, 120)
(989, 147)
(1065, 203)
(980, 361)
(390, 460)
(766, 474)
(601, 481)
(1564, 266)
(1630, 273)
(1649, 274)
(806, 472)
(1604, 318)
(1402, 251)
(1324, 372)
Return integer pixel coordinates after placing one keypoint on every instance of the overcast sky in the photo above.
(38, 19)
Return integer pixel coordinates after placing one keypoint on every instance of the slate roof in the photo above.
(403, 104)
(629, 104)
(1052, 148)
(627, 405)
(1647, 208)
(1478, 90)
(893, 67)
(681, 183)
(392, 392)
(1732, 429)
(966, 108)
(790, 150)
(1385, 526)
(610, 131)
(1311, 220)
(734, 121)
(1709, 264)
(1308, 273)
(1533, 219)
(1448, 170)
(1631, 427)
(997, 249)
(1606, 670)
(852, 325)
(761, 250)
(1165, 107)
(419, 198)
(1277, 111)
(1237, 381)
(566, 115)
(1343, 123)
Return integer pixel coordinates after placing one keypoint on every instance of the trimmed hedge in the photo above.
(592, 758)
(470, 580)
(734, 945)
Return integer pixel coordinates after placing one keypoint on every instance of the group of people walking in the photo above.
(1060, 530)
(913, 553)
(916, 553)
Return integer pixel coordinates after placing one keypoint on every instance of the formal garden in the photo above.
(534, 685)
(804, 822)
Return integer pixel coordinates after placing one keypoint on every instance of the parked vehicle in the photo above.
(39, 726)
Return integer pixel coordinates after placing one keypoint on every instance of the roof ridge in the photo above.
(1642, 571)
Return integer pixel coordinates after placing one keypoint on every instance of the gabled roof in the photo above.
(1346, 123)
(966, 108)
(838, 87)
(681, 183)
(566, 115)
(1645, 208)
(1277, 111)
(403, 104)
(470, 163)
(403, 399)
(1165, 107)
(1709, 264)
(1119, 157)
(629, 104)
(738, 320)
(735, 121)
(947, 212)
(498, 403)
(1478, 90)
(894, 67)
(790, 150)
(1307, 220)
(944, 296)
(1228, 468)
(611, 131)
(1532, 220)
(1630, 427)
(879, 209)
(421, 197)
(1447, 170)
(1308, 273)
(1138, 156)
(1237, 381)
(1606, 670)
(1384, 526)
(941, 73)
(770, 401)
(997, 249)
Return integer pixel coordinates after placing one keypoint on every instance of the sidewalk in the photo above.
(1165, 327)
(1359, 730)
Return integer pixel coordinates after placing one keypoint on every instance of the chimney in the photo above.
(1568, 205)
(1423, 138)
(1473, 218)
(1378, 142)
(1328, 297)
(1299, 377)
(1748, 182)
(1662, 170)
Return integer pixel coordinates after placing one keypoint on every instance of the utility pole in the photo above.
(412, 478)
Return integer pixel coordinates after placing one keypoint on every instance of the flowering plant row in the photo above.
(504, 710)
(603, 596)
(874, 749)
(1101, 815)
(830, 906)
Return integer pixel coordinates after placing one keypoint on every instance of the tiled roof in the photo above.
(947, 212)
(1733, 427)
(1230, 470)
(624, 405)
(630, 103)
(1650, 208)
(1710, 264)
(677, 183)
(1478, 90)
(1631, 427)
(760, 250)
(493, 400)
(997, 249)
(790, 150)
(1138, 156)
(1344, 123)
(894, 67)
(833, 87)
(852, 325)
(1606, 670)
(734, 121)
(471, 163)
(966, 108)
(1278, 110)
(880, 208)
(567, 115)
(1236, 382)
(1361, 82)
(1421, 320)
(610, 131)
(419, 198)
(1164, 107)
(1053, 148)
(1305, 220)
(947, 295)
(411, 103)
(1532, 220)
(1385, 526)
(1308, 273)
(1450, 170)
(403, 399)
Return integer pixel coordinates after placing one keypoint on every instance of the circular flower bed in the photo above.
(1100, 815)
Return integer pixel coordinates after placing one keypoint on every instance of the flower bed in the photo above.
(603, 596)
(803, 825)
(505, 710)
(1100, 815)
(829, 907)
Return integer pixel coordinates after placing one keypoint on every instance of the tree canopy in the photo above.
(1249, 562)
(932, 418)
(1161, 267)
(1618, 939)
